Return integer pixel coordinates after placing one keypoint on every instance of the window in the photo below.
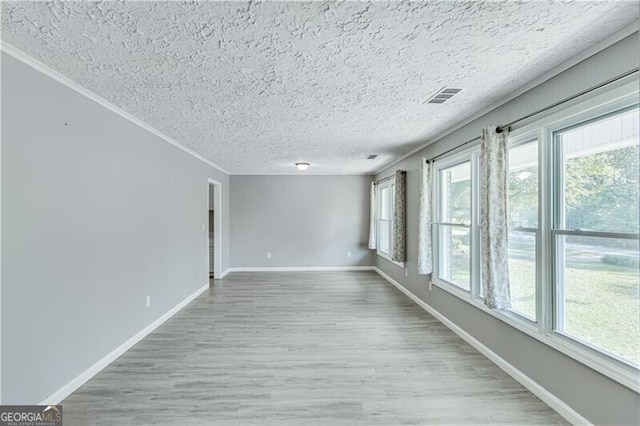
(386, 192)
(454, 224)
(595, 233)
(574, 231)
(523, 226)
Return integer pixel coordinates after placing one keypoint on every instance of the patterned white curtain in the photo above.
(493, 218)
(425, 259)
(399, 217)
(372, 217)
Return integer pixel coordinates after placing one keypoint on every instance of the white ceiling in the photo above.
(255, 87)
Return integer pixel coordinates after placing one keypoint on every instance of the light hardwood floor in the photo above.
(316, 348)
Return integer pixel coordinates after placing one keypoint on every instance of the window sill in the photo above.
(388, 258)
(619, 371)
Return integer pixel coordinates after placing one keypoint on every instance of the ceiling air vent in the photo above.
(372, 156)
(443, 95)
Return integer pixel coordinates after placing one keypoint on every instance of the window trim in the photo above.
(379, 188)
(468, 155)
(390, 183)
(598, 104)
(597, 108)
(518, 139)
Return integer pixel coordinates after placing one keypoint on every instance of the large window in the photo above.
(574, 225)
(523, 226)
(385, 197)
(595, 233)
(454, 224)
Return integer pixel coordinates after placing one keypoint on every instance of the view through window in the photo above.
(574, 226)
(454, 224)
(596, 243)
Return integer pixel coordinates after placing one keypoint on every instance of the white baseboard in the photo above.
(550, 399)
(301, 269)
(223, 274)
(85, 376)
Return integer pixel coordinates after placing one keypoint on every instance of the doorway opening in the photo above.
(214, 234)
(212, 246)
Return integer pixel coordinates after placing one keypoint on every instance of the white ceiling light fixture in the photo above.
(302, 166)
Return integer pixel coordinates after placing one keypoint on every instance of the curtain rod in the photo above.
(570, 98)
(385, 179)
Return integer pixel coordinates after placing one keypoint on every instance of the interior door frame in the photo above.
(217, 226)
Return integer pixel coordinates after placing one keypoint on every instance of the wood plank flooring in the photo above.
(314, 348)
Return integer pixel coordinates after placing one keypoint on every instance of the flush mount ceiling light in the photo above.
(302, 166)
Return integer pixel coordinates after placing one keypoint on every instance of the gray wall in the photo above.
(96, 215)
(303, 221)
(212, 196)
(596, 397)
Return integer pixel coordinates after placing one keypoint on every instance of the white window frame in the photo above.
(390, 183)
(515, 140)
(471, 156)
(624, 94)
(593, 109)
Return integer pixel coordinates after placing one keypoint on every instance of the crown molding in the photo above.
(39, 66)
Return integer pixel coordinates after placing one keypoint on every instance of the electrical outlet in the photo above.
(430, 285)
(268, 255)
(406, 272)
(148, 301)
(348, 254)
(203, 226)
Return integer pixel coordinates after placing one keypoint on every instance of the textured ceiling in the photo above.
(254, 87)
